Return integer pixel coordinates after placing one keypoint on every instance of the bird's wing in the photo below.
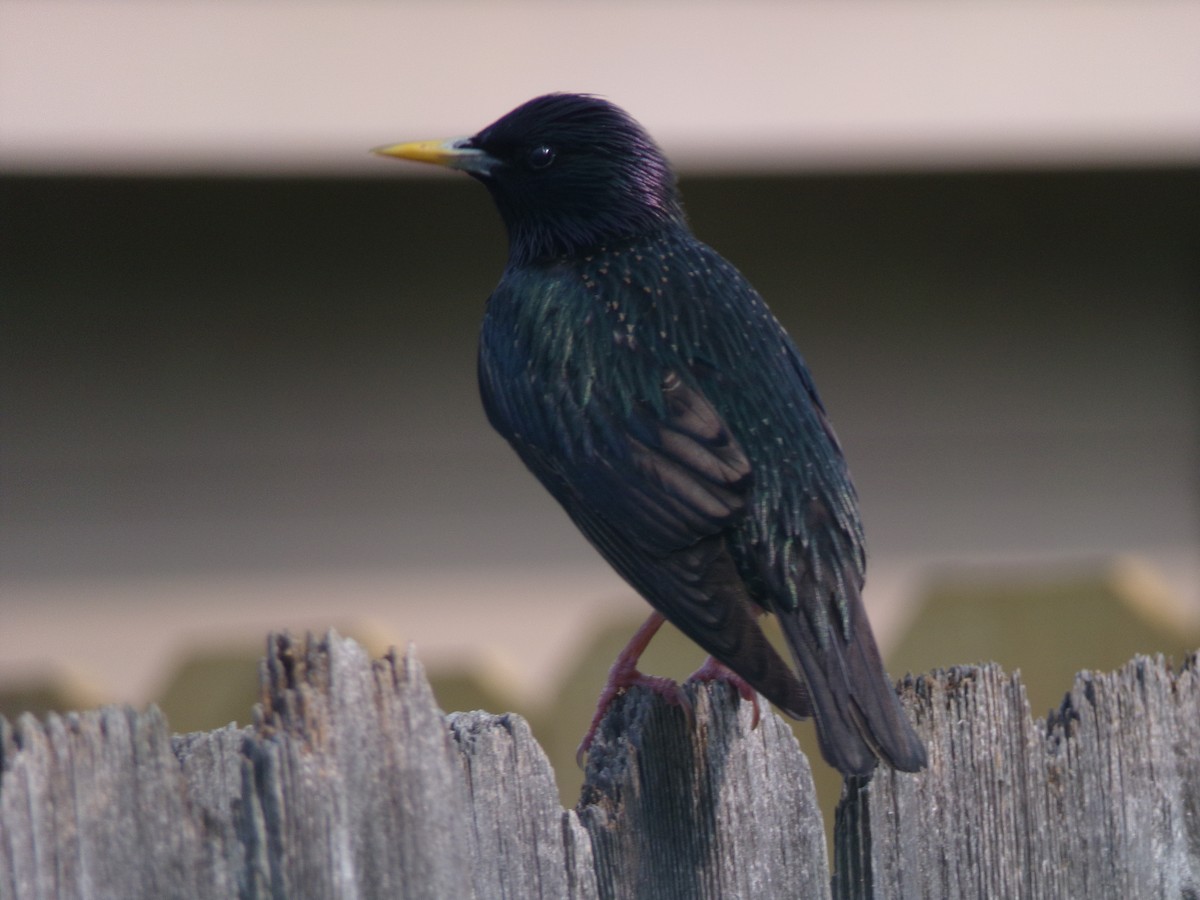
(672, 474)
(604, 414)
(655, 485)
(693, 452)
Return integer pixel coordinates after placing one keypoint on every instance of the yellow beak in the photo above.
(451, 153)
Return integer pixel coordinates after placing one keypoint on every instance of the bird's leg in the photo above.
(714, 670)
(624, 674)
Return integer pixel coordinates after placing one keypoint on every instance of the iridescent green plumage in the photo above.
(645, 383)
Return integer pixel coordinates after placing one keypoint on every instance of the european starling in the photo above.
(645, 383)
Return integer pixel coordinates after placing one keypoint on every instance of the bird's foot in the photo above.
(666, 688)
(624, 674)
(712, 670)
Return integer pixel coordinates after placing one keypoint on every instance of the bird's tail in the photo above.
(724, 621)
(858, 715)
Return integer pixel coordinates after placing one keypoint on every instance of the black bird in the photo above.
(645, 383)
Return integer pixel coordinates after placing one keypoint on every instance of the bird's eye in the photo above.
(541, 156)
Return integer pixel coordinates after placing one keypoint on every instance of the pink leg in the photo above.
(714, 670)
(624, 674)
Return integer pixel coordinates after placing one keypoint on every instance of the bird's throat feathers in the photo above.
(537, 235)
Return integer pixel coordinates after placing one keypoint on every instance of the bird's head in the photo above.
(568, 172)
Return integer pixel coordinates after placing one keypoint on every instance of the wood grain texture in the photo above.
(1100, 800)
(351, 783)
(96, 805)
(704, 809)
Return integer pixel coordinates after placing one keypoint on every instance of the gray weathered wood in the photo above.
(1099, 800)
(704, 809)
(213, 768)
(521, 836)
(96, 805)
(352, 783)
(355, 787)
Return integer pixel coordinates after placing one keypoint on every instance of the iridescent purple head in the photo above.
(568, 172)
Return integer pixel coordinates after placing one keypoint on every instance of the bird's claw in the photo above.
(712, 670)
(666, 688)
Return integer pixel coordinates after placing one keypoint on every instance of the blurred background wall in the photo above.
(237, 377)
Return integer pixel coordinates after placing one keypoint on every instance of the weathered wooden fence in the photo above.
(352, 783)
